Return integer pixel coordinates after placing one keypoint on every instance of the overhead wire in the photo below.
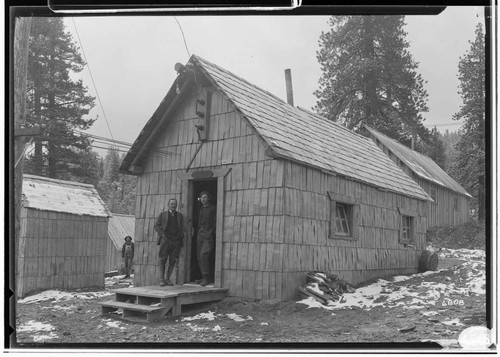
(92, 78)
(59, 135)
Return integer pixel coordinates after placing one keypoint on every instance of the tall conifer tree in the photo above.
(469, 168)
(56, 102)
(369, 77)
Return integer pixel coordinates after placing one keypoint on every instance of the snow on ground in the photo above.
(412, 292)
(210, 316)
(33, 327)
(57, 295)
(239, 318)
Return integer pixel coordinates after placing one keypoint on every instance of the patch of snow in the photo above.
(41, 338)
(34, 326)
(115, 324)
(57, 296)
(217, 328)
(454, 322)
(210, 316)
(400, 278)
(264, 323)
(311, 302)
(429, 313)
(239, 318)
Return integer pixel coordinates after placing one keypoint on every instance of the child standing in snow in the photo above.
(128, 255)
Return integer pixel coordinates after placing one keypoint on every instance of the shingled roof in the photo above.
(48, 194)
(296, 134)
(421, 165)
(120, 226)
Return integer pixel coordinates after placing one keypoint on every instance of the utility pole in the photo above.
(18, 70)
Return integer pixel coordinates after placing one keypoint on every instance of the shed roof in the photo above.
(423, 166)
(120, 226)
(47, 194)
(298, 135)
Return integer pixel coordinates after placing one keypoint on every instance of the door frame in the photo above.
(186, 199)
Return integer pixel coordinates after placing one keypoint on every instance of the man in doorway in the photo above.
(170, 229)
(128, 255)
(205, 239)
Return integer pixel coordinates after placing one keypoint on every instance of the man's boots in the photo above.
(169, 272)
(162, 275)
(204, 281)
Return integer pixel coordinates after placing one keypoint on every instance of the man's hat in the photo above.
(128, 237)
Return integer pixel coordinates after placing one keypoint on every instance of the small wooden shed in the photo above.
(294, 191)
(451, 202)
(64, 229)
(120, 226)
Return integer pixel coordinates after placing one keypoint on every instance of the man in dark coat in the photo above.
(128, 255)
(205, 239)
(170, 229)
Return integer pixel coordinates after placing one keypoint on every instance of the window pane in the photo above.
(341, 219)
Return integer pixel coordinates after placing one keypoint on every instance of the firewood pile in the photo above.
(325, 288)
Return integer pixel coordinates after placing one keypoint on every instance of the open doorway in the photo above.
(198, 186)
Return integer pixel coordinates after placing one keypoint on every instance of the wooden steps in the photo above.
(153, 303)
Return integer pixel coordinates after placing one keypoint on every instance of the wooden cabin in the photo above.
(64, 228)
(450, 203)
(294, 192)
(120, 226)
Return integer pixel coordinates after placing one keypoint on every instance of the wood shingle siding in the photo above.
(63, 236)
(273, 167)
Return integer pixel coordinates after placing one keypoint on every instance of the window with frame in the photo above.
(343, 216)
(342, 219)
(407, 229)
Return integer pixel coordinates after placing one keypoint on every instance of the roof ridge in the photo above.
(53, 180)
(201, 59)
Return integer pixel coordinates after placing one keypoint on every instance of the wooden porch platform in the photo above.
(153, 303)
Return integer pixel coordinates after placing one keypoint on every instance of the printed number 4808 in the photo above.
(456, 302)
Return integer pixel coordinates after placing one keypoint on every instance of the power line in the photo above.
(92, 78)
(183, 37)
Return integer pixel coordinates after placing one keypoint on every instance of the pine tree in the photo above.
(369, 77)
(469, 168)
(450, 140)
(56, 103)
(434, 148)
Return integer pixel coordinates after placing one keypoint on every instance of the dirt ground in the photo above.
(432, 306)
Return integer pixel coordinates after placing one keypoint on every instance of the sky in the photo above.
(132, 59)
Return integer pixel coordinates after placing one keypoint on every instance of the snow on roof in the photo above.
(49, 194)
(120, 226)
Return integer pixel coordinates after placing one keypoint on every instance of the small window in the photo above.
(406, 228)
(455, 204)
(343, 216)
(342, 220)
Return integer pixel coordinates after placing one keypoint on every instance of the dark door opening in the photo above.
(199, 186)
